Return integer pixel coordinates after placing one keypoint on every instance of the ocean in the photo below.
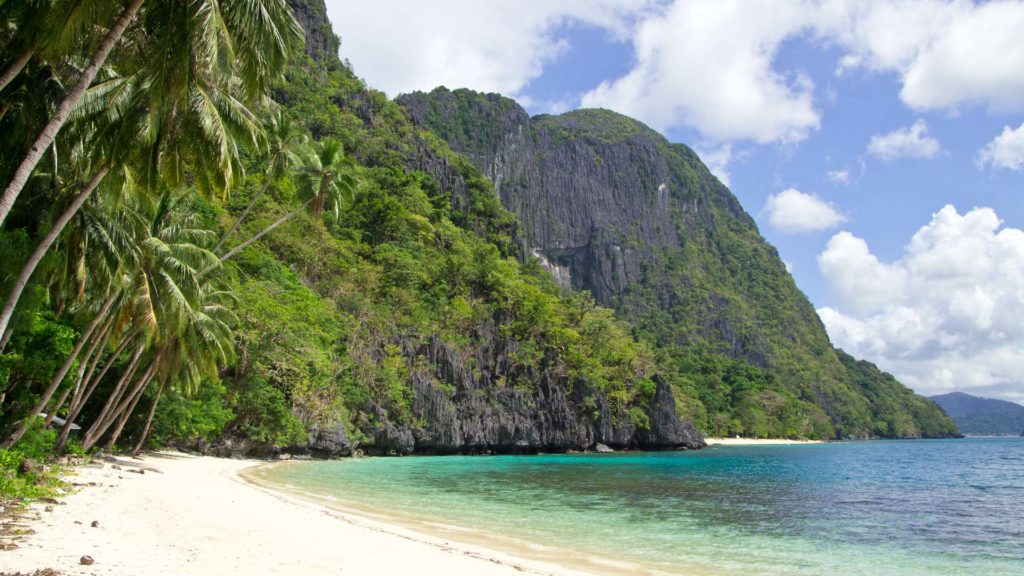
(882, 507)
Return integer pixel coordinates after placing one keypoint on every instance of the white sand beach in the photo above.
(191, 515)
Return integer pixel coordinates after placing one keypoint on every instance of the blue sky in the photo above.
(844, 127)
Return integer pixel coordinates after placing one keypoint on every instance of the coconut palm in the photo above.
(250, 40)
(325, 177)
(171, 301)
(49, 132)
(159, 123)
(284, 139)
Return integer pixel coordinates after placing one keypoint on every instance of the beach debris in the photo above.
(86, 560)
(95, 524)
(139, 471)
(78, 521)
(48, 508)
(115, 466)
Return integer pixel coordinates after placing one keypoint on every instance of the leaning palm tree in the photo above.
(168, 292)
(325, 177)
(187, 117)
(283, 141)
(198, 353)
(247, 39)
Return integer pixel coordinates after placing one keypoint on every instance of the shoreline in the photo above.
(177, 514)
(758, 442)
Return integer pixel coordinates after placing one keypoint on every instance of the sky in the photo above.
(879, 145)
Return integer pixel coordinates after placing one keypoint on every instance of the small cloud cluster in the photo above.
(793, 211)
(943, 317)
(1005, 151)
(839, 176)
(910, 142)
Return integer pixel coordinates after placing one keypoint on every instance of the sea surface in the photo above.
(883, 507)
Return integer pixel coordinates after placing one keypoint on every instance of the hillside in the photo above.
(610, 207)
(982, 416)
(438, 274)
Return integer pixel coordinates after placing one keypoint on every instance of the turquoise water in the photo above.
(891, 507)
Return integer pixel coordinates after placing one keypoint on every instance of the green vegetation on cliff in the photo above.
(644, 226)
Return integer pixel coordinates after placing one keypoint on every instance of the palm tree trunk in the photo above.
(127, 402)
(59, 376)
(16, 67)
(6, 338)
(79, 400)
(90, 358)
(115, 396)
(244, 215)
(149, 420)
(43, 248)
(49, 133)
(261, 234)
(123, 419)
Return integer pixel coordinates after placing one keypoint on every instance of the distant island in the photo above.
(983, 416)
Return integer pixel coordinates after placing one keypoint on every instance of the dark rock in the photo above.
(478, 410)
(326, 441)
(232, 446)
(95, 524)
(607, 205)
(86, 560)
(321, 42)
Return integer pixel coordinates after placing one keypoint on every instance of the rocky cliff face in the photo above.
(462, 409)
(475, 398)
(609, 206)
(321, 42)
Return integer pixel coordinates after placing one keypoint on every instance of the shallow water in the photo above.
(887, 507)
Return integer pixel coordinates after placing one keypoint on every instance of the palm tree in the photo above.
(189, 115)
(283, 140)
(250, 40)
(49, 132)
(173, 306)
(206, 344)
(325, 177)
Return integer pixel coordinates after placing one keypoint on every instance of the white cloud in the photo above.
(1005, 150)
(839, 176)
(943, 317)
(947, 53)
(910, 142)
(793, 211)
(708, 64)
(494, 46)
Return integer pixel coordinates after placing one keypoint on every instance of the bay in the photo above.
(883, 507)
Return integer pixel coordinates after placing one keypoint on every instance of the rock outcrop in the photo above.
(457, 408)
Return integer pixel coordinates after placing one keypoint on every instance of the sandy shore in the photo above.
(195, 515)
(756, 441)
